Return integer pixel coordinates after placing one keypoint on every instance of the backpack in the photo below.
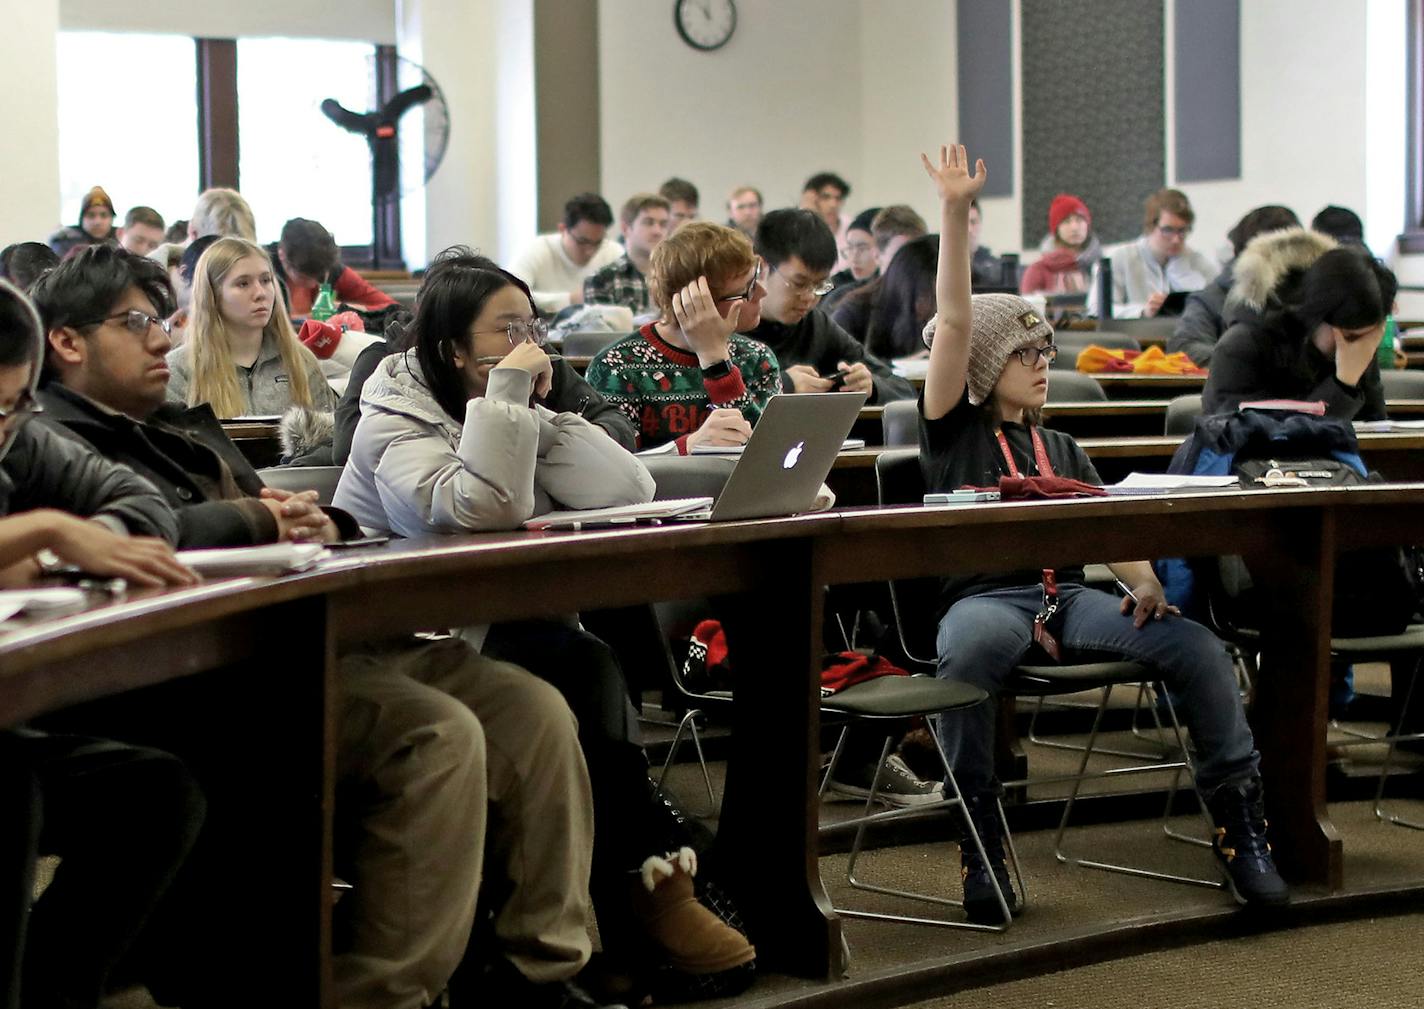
(1377, 591)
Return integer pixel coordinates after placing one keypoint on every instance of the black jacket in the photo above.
(45, 470)
(569, 393)
(819, 342)
(185, 453)
(1272, 358)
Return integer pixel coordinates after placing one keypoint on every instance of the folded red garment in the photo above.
(1029, 488)
(846, 669)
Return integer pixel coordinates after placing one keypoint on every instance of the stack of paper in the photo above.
(40, 602)
(275, 559)
(1166, 483)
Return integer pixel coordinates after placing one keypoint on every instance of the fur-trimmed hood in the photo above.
(1272, 259)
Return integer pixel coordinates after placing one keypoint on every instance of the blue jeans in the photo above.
(982, 639)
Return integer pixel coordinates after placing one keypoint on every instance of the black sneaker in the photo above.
(1238, 811)
(899, 786)
(981, 896)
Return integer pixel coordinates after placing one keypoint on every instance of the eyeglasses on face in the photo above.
(751, 288)
(822, 289)
(856, 249)
(135, 322)
(587, 243)
(535, 331)
(1028, 356)
(1170, 232)
(25, 406)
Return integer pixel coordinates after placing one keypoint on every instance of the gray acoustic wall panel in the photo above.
(986, 88)
(1093, 110)
(1206, 49)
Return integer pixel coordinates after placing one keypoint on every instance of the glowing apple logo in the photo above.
(793, 456)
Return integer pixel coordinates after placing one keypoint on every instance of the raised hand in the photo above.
(951, 177)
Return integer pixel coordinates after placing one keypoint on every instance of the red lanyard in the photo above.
(1041, 634)
(1040, 453)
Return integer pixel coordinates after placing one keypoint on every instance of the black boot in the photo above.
(1238, 811)
(981, 896)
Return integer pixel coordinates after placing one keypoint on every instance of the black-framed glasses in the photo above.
(135, 322)
(585, 243)
(25, 406)
(751, 288)
(1028, 356)
(820, 290)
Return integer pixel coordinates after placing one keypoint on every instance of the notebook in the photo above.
(778, 472)
(274, 559)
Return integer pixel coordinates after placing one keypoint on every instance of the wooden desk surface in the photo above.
(775, 565)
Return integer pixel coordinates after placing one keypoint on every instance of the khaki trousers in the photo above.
(446, 758)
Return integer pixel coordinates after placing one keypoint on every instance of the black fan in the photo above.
(408, 98)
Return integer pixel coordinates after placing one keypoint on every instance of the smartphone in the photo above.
(838, 378)
(962, 497)
(368, 541)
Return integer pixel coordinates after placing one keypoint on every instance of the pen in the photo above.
(1125, 590)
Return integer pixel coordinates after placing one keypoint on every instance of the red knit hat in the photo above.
(1066, 205)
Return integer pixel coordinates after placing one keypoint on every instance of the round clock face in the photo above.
(705, 24)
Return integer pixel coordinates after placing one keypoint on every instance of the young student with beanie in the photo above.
(96, 224)
(1070, 250)
(987, 381)
(689, 378)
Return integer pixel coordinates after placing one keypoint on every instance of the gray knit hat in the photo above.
(1003, 323)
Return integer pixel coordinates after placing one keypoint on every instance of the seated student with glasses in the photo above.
(815, 354)
(689, 378)
(451, 440)
(556, 265)
(242, 355)
(1144, 272)
(987, 381)
(430, 736)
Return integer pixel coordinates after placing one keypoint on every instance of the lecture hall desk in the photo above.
(753, 568)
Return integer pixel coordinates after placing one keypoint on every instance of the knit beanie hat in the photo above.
(1066, 205)
(95, 196)
(1002, 324)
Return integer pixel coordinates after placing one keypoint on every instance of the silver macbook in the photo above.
(792, 448)
(778, 472)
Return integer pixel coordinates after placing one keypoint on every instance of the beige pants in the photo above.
(445, 757)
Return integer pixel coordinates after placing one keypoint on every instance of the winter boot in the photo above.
(981, 894)
(1238, 811)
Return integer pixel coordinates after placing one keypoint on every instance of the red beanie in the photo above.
(320, 338)
(1066, 205)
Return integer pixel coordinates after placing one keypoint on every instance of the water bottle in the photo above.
(1105, 290)
(324, 307)
(1385, 354)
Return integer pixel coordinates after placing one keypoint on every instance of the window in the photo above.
(292, 160)
(127, 105)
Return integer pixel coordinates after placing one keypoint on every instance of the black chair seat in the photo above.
(901, 696)
(1070, 679)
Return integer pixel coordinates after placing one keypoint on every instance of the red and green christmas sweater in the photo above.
(663, 392)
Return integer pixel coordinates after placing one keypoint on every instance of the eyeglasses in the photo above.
(1170, 232)
(1028, 356)
(586, 243)
(535, 331)
(856, 249)
(820, 290)
(135, 322)
(25, 406)
(751, 288)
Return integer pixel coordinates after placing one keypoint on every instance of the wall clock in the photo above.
(705, 24)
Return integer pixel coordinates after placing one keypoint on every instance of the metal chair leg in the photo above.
(1394, 739)
(1126, 870)
(689, 725)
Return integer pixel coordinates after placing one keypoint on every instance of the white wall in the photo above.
(757, 111)
(368, 20)
(29, 139)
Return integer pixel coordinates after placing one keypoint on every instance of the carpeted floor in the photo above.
(1360, 963)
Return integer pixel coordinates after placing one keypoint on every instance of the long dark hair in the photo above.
(457, 284)
(1347, 288)
(903, 300)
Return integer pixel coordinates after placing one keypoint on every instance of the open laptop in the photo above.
(779, 472)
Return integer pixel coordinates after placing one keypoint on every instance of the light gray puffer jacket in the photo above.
(414, 470)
